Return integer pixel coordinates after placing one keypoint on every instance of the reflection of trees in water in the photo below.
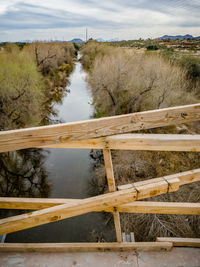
(54, 97)
(23, 174)
(97, 186)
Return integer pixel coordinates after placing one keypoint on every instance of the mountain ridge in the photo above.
(175, 37)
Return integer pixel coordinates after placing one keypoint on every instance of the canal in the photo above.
(69, 175)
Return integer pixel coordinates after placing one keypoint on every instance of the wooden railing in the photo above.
(105, 133)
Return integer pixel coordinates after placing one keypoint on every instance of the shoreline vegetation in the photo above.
(125, 80)
(31, 78)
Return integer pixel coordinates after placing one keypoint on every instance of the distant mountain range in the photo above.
(77, 40)
(80, 41)
(110, 40)
(174, 37)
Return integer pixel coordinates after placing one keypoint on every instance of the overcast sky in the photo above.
(122, 19)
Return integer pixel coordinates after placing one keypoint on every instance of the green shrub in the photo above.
(192, 65)
(21, 90)
(152, 47)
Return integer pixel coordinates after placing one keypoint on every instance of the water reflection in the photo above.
(23, 174)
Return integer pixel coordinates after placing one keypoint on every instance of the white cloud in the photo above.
(127, 19)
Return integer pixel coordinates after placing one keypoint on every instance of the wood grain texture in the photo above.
(132, 207)
(127, 193)
(109, 170)
(160, 207)
(184, 178)
(155, 187)
(152, 142)
(85, 247)
(180, 242)
(56, 134)
(111, 186)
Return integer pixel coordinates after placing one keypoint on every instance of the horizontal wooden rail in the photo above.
(55, 134)
(181, 242)
(136, 191)
(85, 247)
(157, 186)
(133, 207)
(157, 142)
(160, 207)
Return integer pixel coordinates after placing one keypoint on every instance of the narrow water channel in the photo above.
(69, 176)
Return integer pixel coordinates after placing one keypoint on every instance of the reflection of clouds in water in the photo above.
(76, 105)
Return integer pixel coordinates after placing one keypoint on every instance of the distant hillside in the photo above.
(77, 40)
(111, 40)
(174, 37)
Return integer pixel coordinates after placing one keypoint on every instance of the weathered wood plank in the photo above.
(153, 142)
(133, 207)
(184, 177)
(136, 191)
(64, 211)
(55, 134)
(32, 203)
(117, 224)
(180, 242)
(85, 247)
(111, 186)
(109, 170)
(160, 207)
(60, 212)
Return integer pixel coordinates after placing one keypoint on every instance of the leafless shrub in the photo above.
(51, 55)
(124, 83)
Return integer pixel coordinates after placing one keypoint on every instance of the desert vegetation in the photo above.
(124, 81)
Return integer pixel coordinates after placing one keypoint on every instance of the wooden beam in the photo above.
(55, 134)
(109, 170)
(32, 203)
(138, 191)
(152, 142)
(111, 186)
(180, 242)
(132, 207)
(184, 178)
(85, 247)
(127, 193)
(160, 207)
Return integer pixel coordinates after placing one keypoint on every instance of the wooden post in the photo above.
(112, 188)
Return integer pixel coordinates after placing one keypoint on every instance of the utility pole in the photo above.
(86, 35)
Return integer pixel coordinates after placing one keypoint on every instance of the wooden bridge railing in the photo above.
(107, 133)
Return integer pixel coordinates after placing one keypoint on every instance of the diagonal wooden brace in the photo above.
(64, 211)
(128, 193)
